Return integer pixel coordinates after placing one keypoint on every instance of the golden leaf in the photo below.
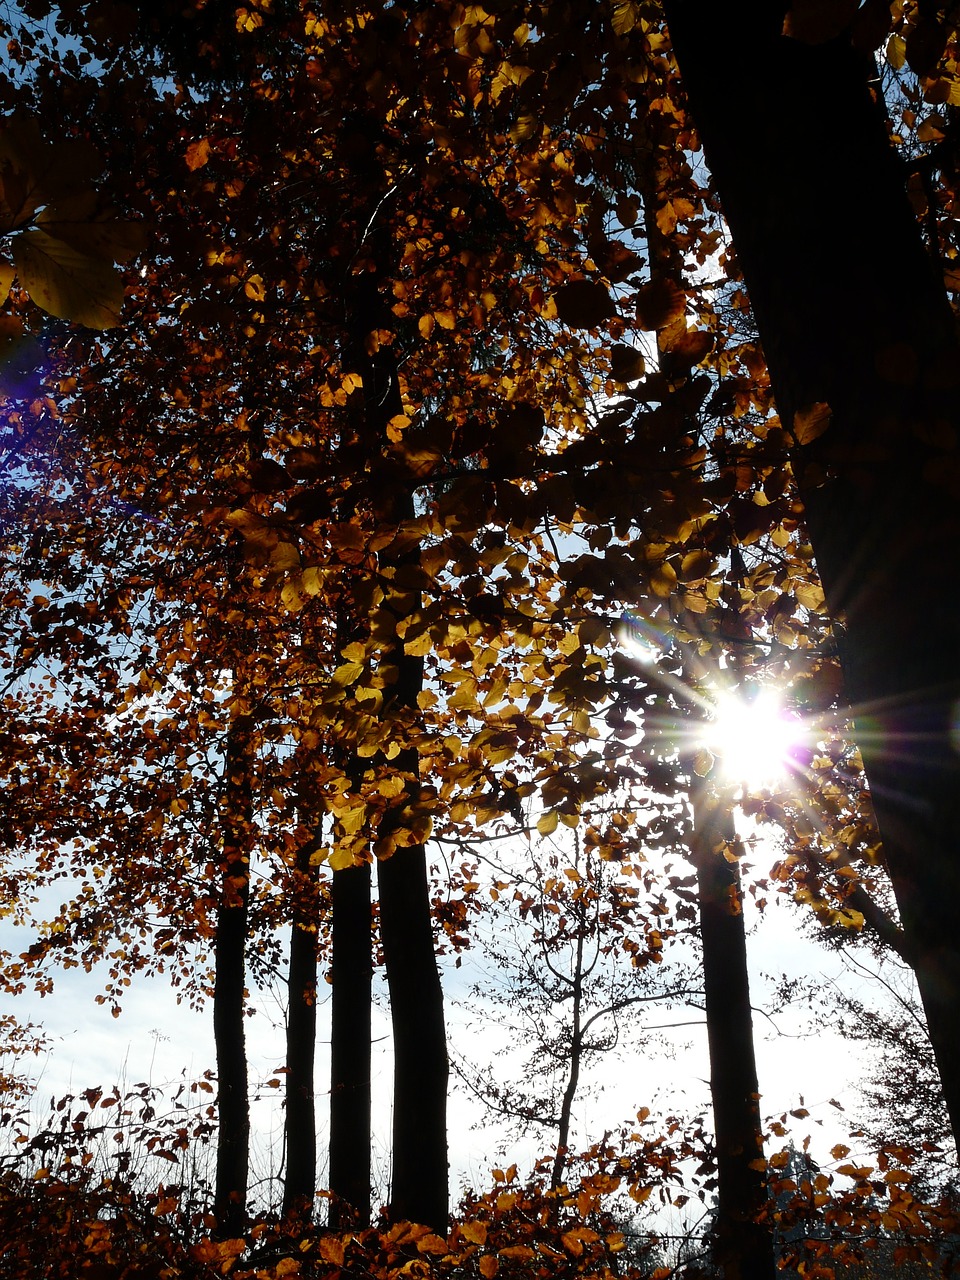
(475, 1232)
(198, 153)
(547, 822)
(254, 288)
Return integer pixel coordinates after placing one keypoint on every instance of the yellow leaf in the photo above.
(663, 580)
(547, 823)
(291, 597)
(624, 16)
(8, 274)
(340, 859)
(445, 319)
(426, 324)
(311, 581)
(474, 1232)
(488, 1266)
(331, 1250)
(68, 284)
(659, 303)
(896, 52)
(254, 288)
(347, 673)
(431, 1243)
(198, 153)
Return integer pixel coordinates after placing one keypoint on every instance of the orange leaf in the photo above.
(198, 153)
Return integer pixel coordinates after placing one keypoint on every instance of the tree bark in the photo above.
(851, 313)
(419, 1180)
(229, 994)
(744, 1244)
(300, 1121)
(419, 1183)
(352, 975)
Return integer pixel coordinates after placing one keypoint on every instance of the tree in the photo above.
(578, 946)
(870, 405)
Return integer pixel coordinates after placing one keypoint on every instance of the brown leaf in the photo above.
(626, 363)
(584, 304)
(925, 45)
(871, 25)
(811, 422)
(659, 303)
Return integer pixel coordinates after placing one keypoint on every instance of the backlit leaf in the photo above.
(811, 422)
(66, 283)
(659, 303)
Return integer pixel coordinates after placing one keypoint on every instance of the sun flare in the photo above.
(754, 740)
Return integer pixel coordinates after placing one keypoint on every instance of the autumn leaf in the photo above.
(626, 363)
(659, 303)
(198, 153)
(584, 304)
(92, 231)
(811, 422)
(474, 1232)
(66, 283)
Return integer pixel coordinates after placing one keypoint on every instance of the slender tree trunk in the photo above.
(576, 1054)
(352, 974)
(229, 995)
(300, 1121)
(744, 1245)
(852, 314)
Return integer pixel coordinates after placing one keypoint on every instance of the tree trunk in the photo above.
(419, 1178)
(352, 973)
(576, 1056)
(852, 314)
(419, 1181)
(744, 1245)
(300, 1121)
(229, 995)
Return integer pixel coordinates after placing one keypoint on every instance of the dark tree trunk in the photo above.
(576, 1057)
(419, 1175)
(229, 995)
(852, 313)
(744, 1245)
(352, 972)
(419, 1183)
(300, 1121)
(419, 1180)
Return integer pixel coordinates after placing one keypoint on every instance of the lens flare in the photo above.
(754, 739)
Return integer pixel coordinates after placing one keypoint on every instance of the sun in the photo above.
(754, 739)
